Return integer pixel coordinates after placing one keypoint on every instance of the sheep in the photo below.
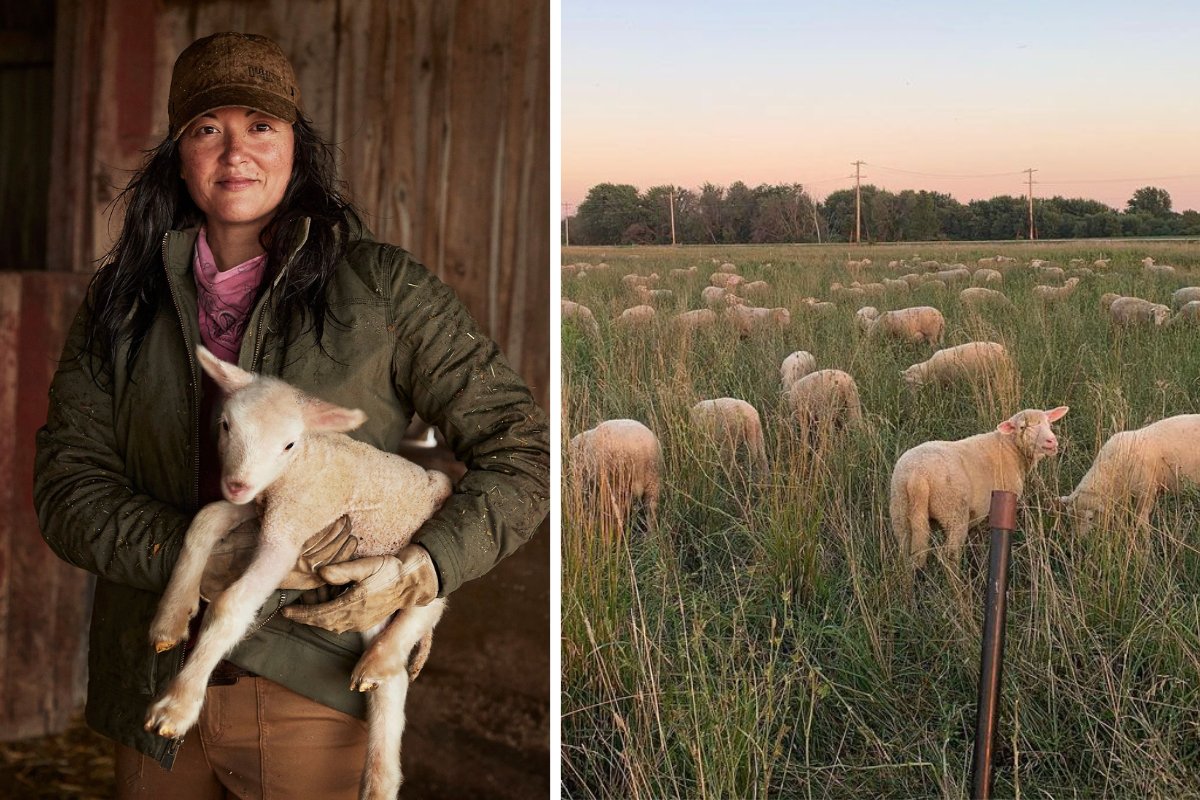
(936, 285)
(1107, 299)
(1157, 270)
(583, 317)
(873, 289)
(964, 362)
(1136, 467)
(855, 268)
(847, 292)
(1181, 297)
(912, 279)
(690, 321)
(622, 461)
(715, 295)
(726, 267)
(732, 423)
(636, 317)
(1051, 273)
(634, 281)
(748, 319)
(683, 273)
(1135, 310)
(1189, 313)
(950, 276)
(896, 285)
(951, 483)
(795, 367)
(982, 277)
(1049, 294)
(1082, 272)
(978, 296)
(755, 288)
(286, 458)
(726, 280)
(916, 325)
(646, 296)
(824, 400)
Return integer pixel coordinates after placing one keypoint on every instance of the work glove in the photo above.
(381, 586)
(233, 554)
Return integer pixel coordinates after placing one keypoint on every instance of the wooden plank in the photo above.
(10, 314)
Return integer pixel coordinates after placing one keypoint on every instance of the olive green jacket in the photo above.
(117, 473)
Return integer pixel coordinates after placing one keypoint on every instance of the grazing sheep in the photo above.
(1082, 272)
(636, 317)
(795, 367)
(727, 267)
(647, 296)
(732, 423)
(978, 296)
(847, 292)
(634, 281)
(1190, 313)
(916, 325)
(965, 362)
(896, 285)
(1051, 273)
(825, 400)
(1050, 294)
(683, 273)
(950, 276)
(286, 458)
(1101, 263)
(951, 483)
(1181, 297)
(913, 279)
(755, 288)
(726, 280)
(620, 461)
(1136, 467)
(694, 320)
(1158, 270)
(1136, 311)
(982, 277)
(1107, 299)
(716, 296)
(935, 284)
(748, 319)
(582, 316)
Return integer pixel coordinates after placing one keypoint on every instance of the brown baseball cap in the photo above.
(231, 69)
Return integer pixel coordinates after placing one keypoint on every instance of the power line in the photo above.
(1121, 180)
(946, 175)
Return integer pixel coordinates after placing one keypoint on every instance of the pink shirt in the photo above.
(224, 299)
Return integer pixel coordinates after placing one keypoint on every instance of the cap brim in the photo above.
(237, 95)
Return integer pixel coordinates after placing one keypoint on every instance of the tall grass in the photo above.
(764, 641)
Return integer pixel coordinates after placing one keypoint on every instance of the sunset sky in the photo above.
(1100, 97)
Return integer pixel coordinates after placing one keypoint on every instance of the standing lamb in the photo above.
(795, 367)
(689, 321)
(1136, 467)
(951, 483)
(1136, 311)
(978, 297)
(748, 319)
(1050, 294)
(582, 316)
(825, 400)
(1190, 313)
(732, 423)
(286, 458)
(622, 461)
(1181, 297)
(983, 277)
(916, 325)
(968, 361)
(636, 317)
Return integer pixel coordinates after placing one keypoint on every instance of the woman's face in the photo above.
(237, 162)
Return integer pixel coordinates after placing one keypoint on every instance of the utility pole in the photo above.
(1032, 232)
(858, 202)
(672, 216)
(812, 204)
(567, 222)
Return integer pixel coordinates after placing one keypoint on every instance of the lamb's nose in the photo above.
(237, 486)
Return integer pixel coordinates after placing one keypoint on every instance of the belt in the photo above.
(227, 673)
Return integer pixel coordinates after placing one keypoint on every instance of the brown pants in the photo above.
(255, 740)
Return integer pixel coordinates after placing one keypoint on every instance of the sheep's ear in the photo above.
(323, 417)
(228, 376)
(1055, 414)
(1008, 426)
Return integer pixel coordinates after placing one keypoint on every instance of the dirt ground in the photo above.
(478, 716)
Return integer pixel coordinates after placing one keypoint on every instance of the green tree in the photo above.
(1153, 201)
(606, 214)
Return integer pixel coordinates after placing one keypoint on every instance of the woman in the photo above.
(235, 237)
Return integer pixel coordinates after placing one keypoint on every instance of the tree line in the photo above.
(784, 213)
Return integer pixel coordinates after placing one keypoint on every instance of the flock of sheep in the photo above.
(942, 483)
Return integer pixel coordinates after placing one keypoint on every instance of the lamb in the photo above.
(755, 288)
(795, 367)
(748, 319)
(1158, 270)
(726, 267)
(916, 325)
(726, 280)
(689, 321)
(289, 453)
(1190, 313)
(1107, 299)
(978, 296)
(636, 317)
(1135, 310)
(621, 459)
(634, 281)
(715, 295)
(1181, 297)
(583, 317)
(683, 273)
(1050, 294)
(950, 276)
(951, 483)
(964, 362)
(1051, 273)
(1136, 467)
(824, 400)
(647, 296)
(935, 284)
(896, 285)
(982, 277)
(732, 423)
(847, 292)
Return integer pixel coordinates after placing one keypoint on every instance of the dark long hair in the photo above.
(125, 292)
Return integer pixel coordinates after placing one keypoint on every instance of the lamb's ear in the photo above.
(1055, 414)
(323, 417)
(228, 376)
(1008, 426)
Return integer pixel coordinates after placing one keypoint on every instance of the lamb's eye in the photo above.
(289, 446)
(225, 425)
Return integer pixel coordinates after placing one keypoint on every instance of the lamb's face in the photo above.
(1031, 430)
(1161, 314)
(260, 432)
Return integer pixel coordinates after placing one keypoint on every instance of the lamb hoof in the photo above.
(168, 630)
(162, 646)
(170, 717)
(363, 684)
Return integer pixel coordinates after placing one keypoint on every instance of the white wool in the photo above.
(795, 367)
(621, 461)
(825, 400)
(1136, 311)
(733, 423)
(966, 362)
(582, 316)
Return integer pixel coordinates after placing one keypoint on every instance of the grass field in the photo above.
(763, 641)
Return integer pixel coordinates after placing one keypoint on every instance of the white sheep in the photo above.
(1107, 299)
(1157, 270)
(916, 325)
(748, 319)
(1190, 313)
(683, 273)
(982, 277)
(726, 280)
(647, 296)
(1136, 467)
(732, 423)
(726, 267)
(978, 297)
(1181, 297)
(637, 317)
(621, 460)
(1136, 311)
(1050, 294)
(633, 281)
(950, 276)
(755, 288)
(951, 483)
(582, 316)
(1051, 273)
(825, 400)
(895, 285)
(715, 295)
(286, 458)
(689, 321)
(795, 367)
(968, 362)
